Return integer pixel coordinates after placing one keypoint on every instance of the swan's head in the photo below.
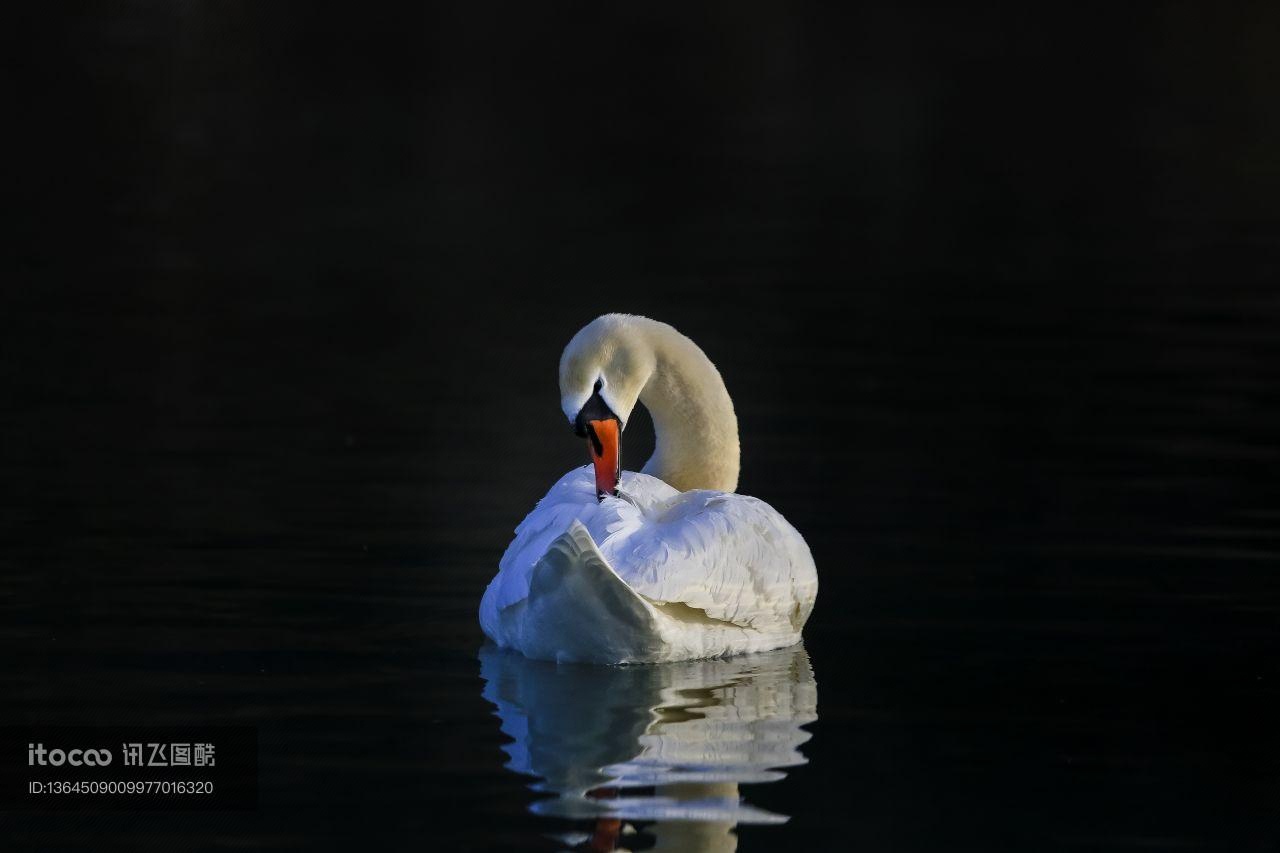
(602, 372)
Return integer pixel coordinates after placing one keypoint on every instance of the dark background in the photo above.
(995, 293)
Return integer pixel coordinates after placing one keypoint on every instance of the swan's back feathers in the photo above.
(726, 565)
(731, 556)
(573, 497)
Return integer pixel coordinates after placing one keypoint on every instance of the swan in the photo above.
(664, 564)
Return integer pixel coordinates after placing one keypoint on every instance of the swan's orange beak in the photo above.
(604, 440)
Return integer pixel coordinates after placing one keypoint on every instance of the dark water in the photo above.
(278, 365)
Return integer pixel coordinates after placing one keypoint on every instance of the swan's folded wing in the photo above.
(572, 498)
(732, 557)
(580, 610)
(549, 520)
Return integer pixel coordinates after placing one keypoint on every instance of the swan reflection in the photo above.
(668, 743)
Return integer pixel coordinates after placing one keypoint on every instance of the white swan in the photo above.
(664, 565)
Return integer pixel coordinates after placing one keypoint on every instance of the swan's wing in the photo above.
(579, 609)
(572, 498)
(732, 557)
(567, 500)
(700, 557)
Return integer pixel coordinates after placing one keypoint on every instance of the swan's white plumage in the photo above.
(675, 567)
(652, 575)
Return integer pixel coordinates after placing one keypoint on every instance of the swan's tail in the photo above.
(580, 610)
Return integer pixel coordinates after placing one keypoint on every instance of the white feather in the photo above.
(652, 575)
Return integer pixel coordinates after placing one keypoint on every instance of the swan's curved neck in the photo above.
(695, 428)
